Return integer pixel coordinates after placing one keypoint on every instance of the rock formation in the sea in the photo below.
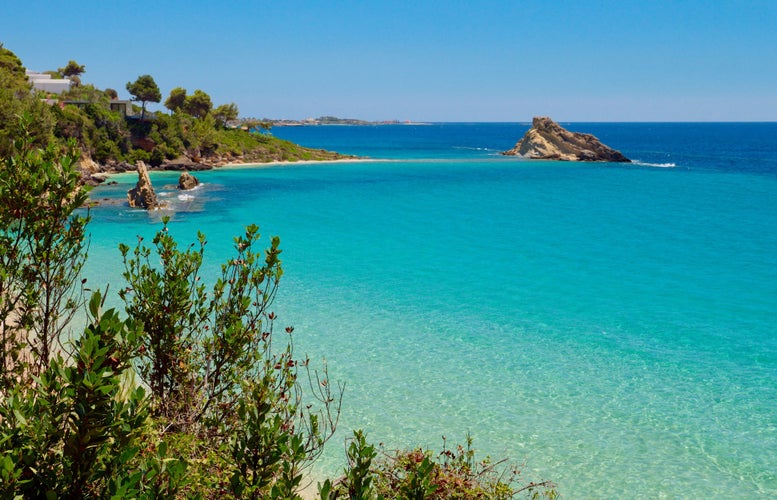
(187, 181)
(547, 140)
(142, 195)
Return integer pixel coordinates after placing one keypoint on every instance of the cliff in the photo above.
(547, 140)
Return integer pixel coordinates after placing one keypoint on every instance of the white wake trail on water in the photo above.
(654, 165)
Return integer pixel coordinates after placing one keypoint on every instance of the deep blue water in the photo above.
(731, 147)
(612, 325)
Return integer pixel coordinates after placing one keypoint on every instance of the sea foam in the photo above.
(654, 165)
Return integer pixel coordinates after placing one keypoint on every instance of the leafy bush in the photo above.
(211, 364)
(42, 250)
(137, 155)
(79, 431)
(79, 426)
(419, 474)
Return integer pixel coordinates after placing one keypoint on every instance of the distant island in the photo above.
(333, 120)
(547, 140)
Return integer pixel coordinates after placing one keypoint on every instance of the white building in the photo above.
(44, 82)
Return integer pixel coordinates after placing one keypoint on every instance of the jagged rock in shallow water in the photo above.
(95, 179)
(187, 181)
(547, 140)
(143, 195)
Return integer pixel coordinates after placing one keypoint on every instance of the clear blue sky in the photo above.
(623, 60)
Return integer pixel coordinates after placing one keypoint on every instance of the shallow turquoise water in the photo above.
(611, 325)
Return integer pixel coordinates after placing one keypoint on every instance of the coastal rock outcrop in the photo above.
(143, 195)
(91, 174)
(547, 140)
(184, 163)
(187, 181)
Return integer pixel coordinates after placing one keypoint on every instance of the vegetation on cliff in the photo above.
(194, 130)
(15, 100)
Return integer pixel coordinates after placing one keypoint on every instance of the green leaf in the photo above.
(94, 304)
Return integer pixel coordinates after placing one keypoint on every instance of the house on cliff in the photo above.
(44, 82)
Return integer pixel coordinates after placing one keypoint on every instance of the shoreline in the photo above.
(103, 175)
(276, 163)
(104, 178)
(285, 163)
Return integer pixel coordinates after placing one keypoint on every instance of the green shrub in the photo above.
(76, 431)
(106, 150)
(419, 474)
(42, 250)
(157, 155)
(214, 366)
(137, 155)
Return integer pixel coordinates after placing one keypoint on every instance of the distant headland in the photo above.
(333, 120)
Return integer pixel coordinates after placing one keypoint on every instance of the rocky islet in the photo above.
(547, 140)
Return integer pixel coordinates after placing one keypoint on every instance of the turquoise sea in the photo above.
(612, 326)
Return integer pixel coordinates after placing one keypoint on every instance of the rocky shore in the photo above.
(93, 173)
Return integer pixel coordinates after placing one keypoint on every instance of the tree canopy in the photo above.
(16, 100)
(12, 65)
(144, 89)
(176, 100)
(72, 69)
(198, 104)
(226, 113)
